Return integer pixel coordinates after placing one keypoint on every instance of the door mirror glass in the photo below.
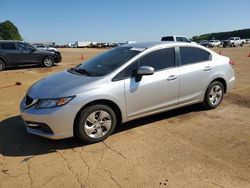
(32, 50)
(145, 70)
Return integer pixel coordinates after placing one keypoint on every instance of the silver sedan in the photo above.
(125, 83)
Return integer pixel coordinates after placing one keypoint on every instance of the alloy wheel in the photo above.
(97, 124)
(215, 95)
(48, 61)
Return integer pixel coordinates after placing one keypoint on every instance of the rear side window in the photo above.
(8, 46)
(160, 59)
(191, 55)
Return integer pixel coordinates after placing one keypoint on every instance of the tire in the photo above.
(214, 95)
(2, 65)
(48, 61)
(90, 126)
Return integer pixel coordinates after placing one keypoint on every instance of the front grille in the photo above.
(28, 100)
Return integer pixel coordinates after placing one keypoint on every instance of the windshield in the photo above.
(109, 61)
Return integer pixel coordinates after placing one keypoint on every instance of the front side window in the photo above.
(160, 59)
(182, 39)
(191, 55)
(109, 61)
(8, 46)
(23, 46)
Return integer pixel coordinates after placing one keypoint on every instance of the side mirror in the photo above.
(145, 70)
(32, 50)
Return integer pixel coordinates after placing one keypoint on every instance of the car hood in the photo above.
(61, 84)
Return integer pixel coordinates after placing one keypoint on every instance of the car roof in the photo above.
(155, 44)
(10, 41)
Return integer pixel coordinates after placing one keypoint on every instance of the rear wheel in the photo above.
(95, 123)
(214, 95)
(2, 65)
(48, 61)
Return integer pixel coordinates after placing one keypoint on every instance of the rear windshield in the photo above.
(109, 61)
(167, 39)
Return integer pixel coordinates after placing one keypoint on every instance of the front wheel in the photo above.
(48, 61)
(214, 95)
(95, 123)
(2, 65)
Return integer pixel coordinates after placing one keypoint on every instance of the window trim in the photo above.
(176, 62)
(179, 54)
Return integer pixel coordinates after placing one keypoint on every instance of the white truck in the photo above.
(82, 44)
(175, 38)
(233, 42)
(214, 43)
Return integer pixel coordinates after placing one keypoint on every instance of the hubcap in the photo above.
(48, 61)
(1, 66)
(97, 124)
(215, 95)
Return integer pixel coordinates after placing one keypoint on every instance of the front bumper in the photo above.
(58, 58)
(53, 123)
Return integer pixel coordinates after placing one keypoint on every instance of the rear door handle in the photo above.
(207, 68)
(171, 77)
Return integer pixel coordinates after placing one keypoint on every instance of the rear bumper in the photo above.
(230, 84)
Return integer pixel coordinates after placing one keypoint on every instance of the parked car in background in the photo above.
(15, 53)
(204, 43)
(233, 42)
(175, 38)
(123, 84)
(44, 47)
(247, 41)
(214, 43)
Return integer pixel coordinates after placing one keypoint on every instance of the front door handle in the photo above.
(208, 68)
(171, 77)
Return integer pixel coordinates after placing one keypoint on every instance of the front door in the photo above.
(155, 92)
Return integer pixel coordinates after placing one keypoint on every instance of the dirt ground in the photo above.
(187, 147)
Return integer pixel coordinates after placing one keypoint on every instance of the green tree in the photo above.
(243, 33)
(8, 31)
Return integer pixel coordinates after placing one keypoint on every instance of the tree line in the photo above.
(8, 31)
(243, 33)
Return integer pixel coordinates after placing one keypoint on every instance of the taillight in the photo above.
(232, 63)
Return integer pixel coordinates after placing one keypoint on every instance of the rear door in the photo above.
(195, 70)
(152, 92)
(10, 52)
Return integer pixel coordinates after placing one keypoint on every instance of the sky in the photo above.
(67, 21)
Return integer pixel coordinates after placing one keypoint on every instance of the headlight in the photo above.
(50, 103)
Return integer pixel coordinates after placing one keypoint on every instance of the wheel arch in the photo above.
(221, 80)
(3, 59)
(106, 102)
